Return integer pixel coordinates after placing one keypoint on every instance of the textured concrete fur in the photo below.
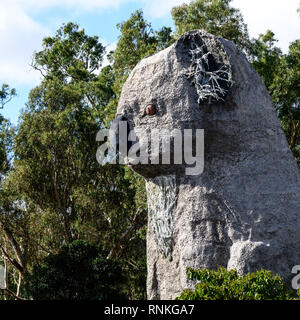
(243, 211)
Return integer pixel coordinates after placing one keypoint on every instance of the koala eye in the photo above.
(150, 110)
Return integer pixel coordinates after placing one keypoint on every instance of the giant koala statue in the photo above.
(242, 209)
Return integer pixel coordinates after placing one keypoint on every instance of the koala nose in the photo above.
(119, 132)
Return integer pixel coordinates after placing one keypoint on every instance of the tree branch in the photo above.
(16, 247)
(7, 291)
(14, 262)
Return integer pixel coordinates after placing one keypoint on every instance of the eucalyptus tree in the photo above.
(55, 172)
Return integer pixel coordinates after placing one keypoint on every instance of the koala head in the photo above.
(166, 94)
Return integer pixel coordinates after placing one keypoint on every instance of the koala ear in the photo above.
(207, 64)
(184, 44)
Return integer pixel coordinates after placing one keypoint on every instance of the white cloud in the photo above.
(278, 15)
(19, 37)
(86, 5)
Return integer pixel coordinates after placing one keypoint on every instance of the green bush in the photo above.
(80, 271)
(228, 285)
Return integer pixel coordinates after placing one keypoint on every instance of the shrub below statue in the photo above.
(228, 285)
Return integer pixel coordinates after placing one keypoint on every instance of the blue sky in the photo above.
(24, 23)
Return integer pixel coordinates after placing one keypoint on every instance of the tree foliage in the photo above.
(216, 17)
(285, 91)
(55, 146)
(266, 57)
(136, 41)
(79, 271)
(55, 173)
(228, 285)
(6, 94)
(70, 55)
